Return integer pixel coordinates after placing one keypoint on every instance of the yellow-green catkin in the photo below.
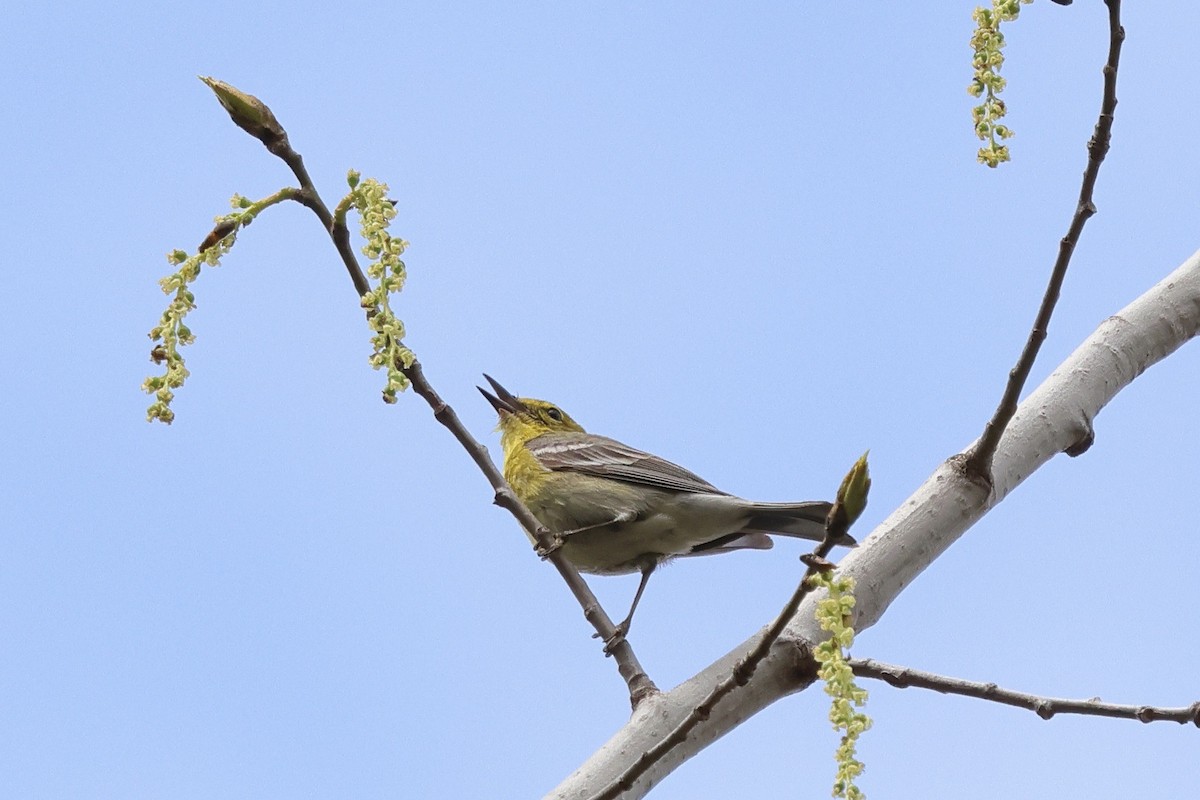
(369, 198)
(988, 43)
(835, 614)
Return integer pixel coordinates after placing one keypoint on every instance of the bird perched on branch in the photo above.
(617, 510)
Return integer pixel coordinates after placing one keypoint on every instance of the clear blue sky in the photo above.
(751, 239)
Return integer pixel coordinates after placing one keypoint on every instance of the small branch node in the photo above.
(503, 497)
(817, 563)
(743, 671)
(1085, 441)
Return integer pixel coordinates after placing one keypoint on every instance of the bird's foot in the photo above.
(544, 551)
(615, 639)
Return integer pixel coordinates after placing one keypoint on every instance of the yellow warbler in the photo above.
(617, 510)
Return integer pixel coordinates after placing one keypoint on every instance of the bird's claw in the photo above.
(544, 551)
(614, 640)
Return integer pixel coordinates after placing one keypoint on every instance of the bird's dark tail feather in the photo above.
(802, 520)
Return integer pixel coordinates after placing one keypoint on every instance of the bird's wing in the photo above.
(608, 458)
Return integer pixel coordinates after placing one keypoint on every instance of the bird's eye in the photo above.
(554, 414)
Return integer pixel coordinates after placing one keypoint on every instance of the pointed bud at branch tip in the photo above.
(851, 496)
(248, 112)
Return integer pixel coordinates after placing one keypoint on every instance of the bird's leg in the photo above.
(628, 515)
(623, 626)
(558, 537)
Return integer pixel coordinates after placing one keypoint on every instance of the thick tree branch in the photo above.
(1044, 707)
(979, 460)
(1053, 419)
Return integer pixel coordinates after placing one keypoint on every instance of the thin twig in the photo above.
(639, 683)
(740, 675)
(273, 135)
(312, 199)
(1044, 707)
(979, 461)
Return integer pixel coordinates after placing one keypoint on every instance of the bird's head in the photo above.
(525, 417)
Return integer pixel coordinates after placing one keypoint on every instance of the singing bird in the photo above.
(618, 510)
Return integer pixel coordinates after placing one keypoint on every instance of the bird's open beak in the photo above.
(504, 401)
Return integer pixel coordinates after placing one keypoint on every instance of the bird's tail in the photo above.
(802, 520)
